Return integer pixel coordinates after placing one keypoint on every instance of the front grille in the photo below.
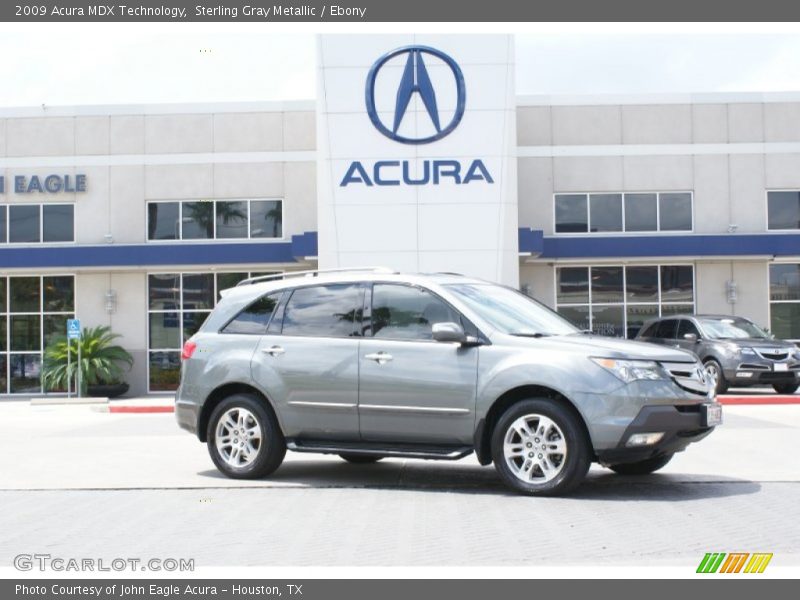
(776, 376)
(773, 354)
(689, 376)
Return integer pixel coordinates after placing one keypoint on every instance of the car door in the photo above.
(308, 361)
(412, 388)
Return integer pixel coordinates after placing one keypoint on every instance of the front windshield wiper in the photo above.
(529, 334)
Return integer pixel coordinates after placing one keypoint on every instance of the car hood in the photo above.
(755, 343)
(600, 346)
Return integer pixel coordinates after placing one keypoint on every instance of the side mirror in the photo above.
(448, 332)
(690, 337)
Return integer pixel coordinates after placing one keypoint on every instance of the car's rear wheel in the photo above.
(643, 467)
(360, 459)
(715, 374)
(244, 439)
(539, 447)
(786, 388)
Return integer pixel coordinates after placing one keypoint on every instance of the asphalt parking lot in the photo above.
(76, 482)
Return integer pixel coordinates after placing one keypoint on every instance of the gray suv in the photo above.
(734, 350)
(371, 363)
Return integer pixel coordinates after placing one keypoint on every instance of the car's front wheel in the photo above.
(539, 447)
(785, 388)
(715, 374)
(244, 439)
(643, 467)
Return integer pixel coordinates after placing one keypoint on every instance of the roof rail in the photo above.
(313, 273)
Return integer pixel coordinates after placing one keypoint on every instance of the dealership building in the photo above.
(417, 154)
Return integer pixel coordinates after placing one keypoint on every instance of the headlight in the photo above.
(731, 350)
(632, 370)
(748, 351)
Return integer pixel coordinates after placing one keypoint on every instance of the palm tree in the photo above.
(100, 363)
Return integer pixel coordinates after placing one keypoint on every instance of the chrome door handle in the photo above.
(379, 357)
(273, 350)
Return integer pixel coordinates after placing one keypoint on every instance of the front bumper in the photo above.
(761, 372)
(681, 424)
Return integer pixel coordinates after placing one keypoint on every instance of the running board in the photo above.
(375, 449)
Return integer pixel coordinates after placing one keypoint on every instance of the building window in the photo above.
(215, 220)
(178, 304)
(783, 210)
(37, 223)
(617, 300)
(784, 305)
(618, 212)
(33, 312)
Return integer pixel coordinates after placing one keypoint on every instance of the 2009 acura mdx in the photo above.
(371, 363)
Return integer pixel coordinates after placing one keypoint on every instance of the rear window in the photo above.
(324, 310)
(255, 318)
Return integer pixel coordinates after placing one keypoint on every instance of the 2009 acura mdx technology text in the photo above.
(370, 363)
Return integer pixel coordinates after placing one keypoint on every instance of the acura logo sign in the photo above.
(416, 81)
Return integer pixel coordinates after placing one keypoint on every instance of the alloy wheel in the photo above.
(238, 437)
(712, 372)
(535, 449)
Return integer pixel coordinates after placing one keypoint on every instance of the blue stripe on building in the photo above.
(531, 241)
(643, 246)
(155, 254)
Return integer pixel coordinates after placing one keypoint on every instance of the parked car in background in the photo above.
(734, 350)
(371, 363)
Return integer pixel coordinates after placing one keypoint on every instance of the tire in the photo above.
(245, 412)
(643, 467)
(560, 472)
(360, 459)
(785, 388)
(714, 369)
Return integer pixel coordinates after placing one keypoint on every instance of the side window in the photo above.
(324, 310)
(404, 312)
(255, 318)
(650, 331)
(686, 326)
(666, 329)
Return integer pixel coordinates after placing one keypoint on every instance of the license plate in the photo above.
(781, 367)
(712, 415)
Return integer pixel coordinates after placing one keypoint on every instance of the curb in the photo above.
(141, 409)
(758, 400)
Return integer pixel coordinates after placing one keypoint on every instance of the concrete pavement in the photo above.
(80, 482)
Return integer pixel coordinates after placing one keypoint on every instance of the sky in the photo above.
(133, 65)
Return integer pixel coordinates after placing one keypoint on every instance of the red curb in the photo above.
(141, 409)
(755, 400)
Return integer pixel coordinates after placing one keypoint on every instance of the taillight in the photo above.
(188, 349)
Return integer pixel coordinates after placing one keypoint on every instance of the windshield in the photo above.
(510, 311)
(727, 329)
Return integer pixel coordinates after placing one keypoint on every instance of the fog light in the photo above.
(644, 439)
(743, 374)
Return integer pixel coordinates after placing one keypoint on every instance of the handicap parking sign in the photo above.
(73, 329)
